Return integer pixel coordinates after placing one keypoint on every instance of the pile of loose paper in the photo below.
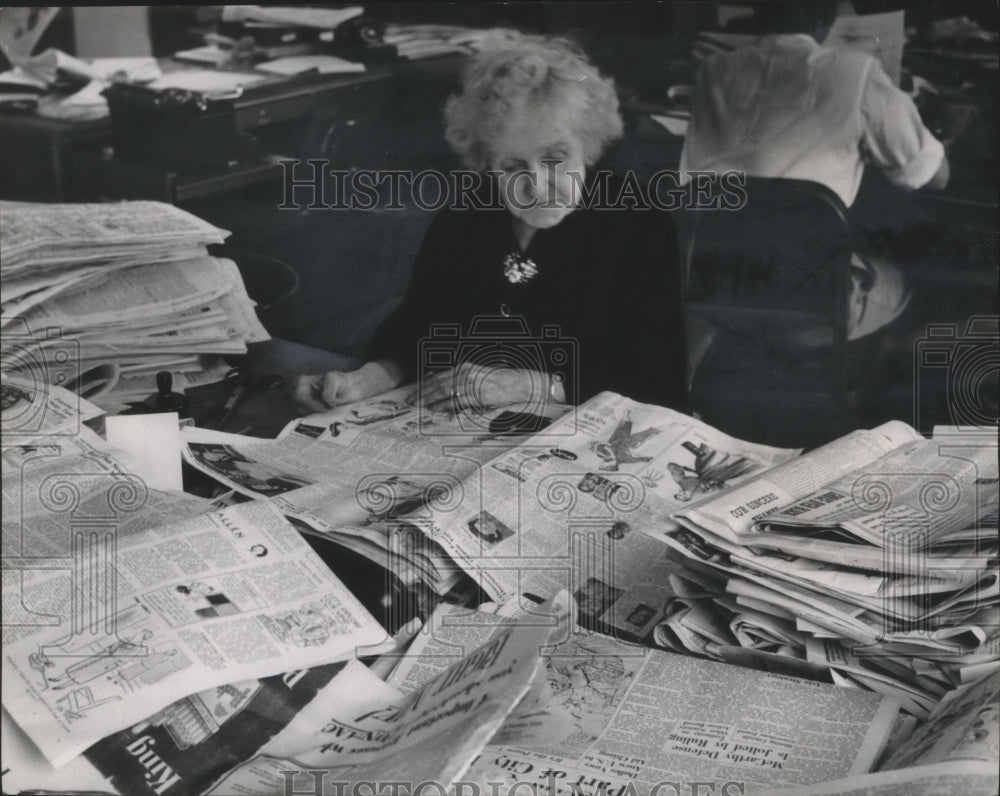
(99, 297)
(158, 643)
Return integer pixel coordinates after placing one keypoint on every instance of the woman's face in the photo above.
(541, 166)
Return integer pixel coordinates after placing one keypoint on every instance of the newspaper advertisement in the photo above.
(430, 735)
(621, 714)
(189, 744)
(733, 514)
(181, 749)
(586, 500)
(166, 611)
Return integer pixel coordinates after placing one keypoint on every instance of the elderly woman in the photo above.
(591, 294)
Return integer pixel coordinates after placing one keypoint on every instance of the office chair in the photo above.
(770, 281)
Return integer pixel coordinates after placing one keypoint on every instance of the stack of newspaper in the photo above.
(99, 297)
(874, 556)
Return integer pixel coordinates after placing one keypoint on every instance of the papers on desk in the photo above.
(216, 605)
(46, 66)
(299, 64)
(207, 54)
(17, 79)
(42, 70)
(131, 69)
(880, 35)
(32, 408)
(415, 42)
(323, 18)
(207, 81)
(119, 290)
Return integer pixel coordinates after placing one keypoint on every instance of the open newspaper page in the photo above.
(616, 716)
(352, 464)
(430, 735)
(40, 479)
(586, 500)
(367, 475)
(732, 514)
(167, 611)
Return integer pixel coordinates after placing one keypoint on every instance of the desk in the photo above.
(40, 158)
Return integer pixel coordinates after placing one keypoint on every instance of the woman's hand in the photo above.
(322, 391)
(478, 387)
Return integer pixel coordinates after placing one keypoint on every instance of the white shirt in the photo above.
(787, 107)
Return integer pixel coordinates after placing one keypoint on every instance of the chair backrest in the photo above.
(780, 260)
(784, 248)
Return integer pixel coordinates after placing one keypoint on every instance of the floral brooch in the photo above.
(518, 269)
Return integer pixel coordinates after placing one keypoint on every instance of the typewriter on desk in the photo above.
(178, 129)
